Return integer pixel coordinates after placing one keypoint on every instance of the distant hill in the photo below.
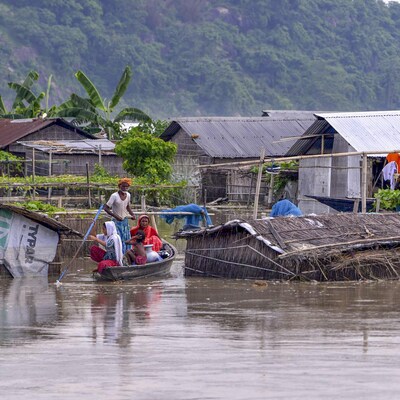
(210, 57)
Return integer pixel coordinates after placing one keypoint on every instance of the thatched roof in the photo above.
(42, 219)
(315, 233)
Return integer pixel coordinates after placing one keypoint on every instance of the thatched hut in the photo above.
(322, 248)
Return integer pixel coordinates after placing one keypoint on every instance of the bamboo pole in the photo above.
(153, 222)
(100, 155)
(90, 212)
(33, 165)
(364, 172)
(251, 186)
(258, 185)
(33, 173)
(143, 203)
(88, 185)
(49, 190)
(293, 158)
(50, 162)
(271, 190)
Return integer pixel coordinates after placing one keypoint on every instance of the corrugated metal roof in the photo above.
(301, 146)
(71, 146)
(289, 114)
(232, 137)
(365, 131)
(12, 130)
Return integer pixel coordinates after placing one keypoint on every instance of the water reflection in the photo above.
(198, 338)
(113, 313)
(27, 307)
(275, 312)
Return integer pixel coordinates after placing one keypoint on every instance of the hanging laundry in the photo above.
(394, 157)
(388, 173)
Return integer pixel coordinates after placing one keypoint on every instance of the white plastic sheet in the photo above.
(26, 246)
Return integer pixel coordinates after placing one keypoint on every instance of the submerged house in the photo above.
(374, 133)
(216, 140)
(56, 146)
(337, 247)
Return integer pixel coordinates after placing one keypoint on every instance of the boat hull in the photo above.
(154, 269)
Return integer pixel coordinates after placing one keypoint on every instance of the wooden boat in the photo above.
(343, 204)
(331, 247)
(153, 269)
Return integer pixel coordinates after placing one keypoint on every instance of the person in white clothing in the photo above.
(118, 206)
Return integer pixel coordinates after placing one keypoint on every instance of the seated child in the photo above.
(137, 255)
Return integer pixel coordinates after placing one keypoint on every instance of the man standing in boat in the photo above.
(118, 206)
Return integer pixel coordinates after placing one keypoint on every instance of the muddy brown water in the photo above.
(192, 338)
(181, 338)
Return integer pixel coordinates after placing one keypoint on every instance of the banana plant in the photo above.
(97, 112)
(26, 104)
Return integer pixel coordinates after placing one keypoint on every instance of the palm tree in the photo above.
(97, 112)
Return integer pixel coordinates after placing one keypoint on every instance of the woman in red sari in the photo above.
(151, 234)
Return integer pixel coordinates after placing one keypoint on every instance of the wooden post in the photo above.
(251, 186)
(378, 204)
(33, 173)
(153, 222)
(143, 202)
(271, 190)
(49, 190)
(203, 215)
(88, 185)
(33, 165)
(364, 171)
(258, 186)
(100, 155)
(356, 205)
(50, 162)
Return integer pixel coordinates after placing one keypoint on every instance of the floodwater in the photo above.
(197, 338)
(188, 338)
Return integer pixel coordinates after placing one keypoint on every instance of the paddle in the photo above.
(83, 241)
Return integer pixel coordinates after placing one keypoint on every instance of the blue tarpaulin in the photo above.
(193, 219)
(285, 208)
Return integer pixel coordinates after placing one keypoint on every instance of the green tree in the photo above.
(146, 156)
(98, 111)
(154, 127)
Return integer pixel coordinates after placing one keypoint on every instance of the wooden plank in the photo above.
(276, 235)
(258, 185)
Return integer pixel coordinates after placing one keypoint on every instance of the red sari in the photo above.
(151, 234)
